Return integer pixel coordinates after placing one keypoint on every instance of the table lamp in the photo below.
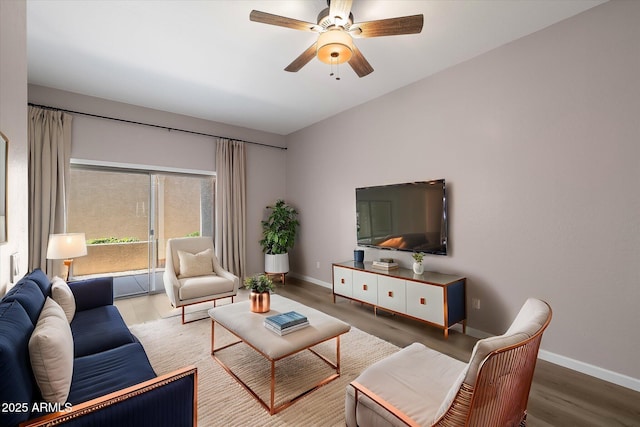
(66, 247)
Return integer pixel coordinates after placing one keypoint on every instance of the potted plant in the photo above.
(260, 286)
(418, 268)
(278, 236)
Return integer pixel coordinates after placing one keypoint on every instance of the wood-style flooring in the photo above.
(559, 396)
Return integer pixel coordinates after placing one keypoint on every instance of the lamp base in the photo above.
(67, 263)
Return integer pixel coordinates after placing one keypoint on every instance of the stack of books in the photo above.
(285, 323)
(385, 264)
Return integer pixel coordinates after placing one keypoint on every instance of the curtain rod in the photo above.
(46, 107)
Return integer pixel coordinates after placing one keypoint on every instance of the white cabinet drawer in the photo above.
(425, 302)
(365, 286)
(392, 294)
(342, 281)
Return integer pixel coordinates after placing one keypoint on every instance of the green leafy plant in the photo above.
(194, 234)
(259, 283)
(104, 240)
(279, 230)
(418, 256)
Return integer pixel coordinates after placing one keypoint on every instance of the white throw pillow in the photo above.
(199, 264)
(51, 353)
(61, 293)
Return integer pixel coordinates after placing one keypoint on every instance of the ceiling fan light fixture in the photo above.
(335, 47)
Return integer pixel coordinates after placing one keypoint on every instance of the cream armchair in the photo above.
(193, 274)
(418, 386)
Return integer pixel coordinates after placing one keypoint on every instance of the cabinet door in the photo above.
(342, 281)
(391, 293)
(365, 287)
(425, 302)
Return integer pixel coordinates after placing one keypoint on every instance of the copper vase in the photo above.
(260, 302)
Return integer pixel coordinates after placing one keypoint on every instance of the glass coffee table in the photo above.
(248, 327)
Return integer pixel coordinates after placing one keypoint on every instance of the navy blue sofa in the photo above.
(113, 383)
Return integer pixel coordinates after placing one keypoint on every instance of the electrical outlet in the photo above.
(475, 303)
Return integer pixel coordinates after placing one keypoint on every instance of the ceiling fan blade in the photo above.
(359, 64)
(389, 27)
(281, 21)
(303, 59)
(341, 8)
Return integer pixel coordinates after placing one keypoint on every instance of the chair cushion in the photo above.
(98, 374)
(204, 286)
(101, 328)
(61, 293)
(451, 394)
(394, 379)
(16, 380)
(192, 265)
(482, 349)
(51, 353)
(29, 295)
(531, 317)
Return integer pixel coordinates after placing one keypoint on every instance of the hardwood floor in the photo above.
(559, 396)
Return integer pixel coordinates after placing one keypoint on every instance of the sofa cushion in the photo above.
(92, 293)
(41, 280)
(101, 328)
(51, 353)
(98, 374)
(61, 293)
(16, 381)
(29, 295)
(192, 265)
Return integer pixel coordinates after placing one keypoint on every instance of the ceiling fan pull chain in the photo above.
(334, 57)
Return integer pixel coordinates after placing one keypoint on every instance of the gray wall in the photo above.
(13, 124)
(111, 142)
(539, 142)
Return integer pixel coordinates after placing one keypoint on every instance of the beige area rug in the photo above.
(223, 402)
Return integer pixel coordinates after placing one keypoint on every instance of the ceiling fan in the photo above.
(336, 29)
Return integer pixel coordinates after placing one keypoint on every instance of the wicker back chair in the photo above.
(491, 390)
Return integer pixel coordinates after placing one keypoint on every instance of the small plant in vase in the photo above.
(418, 268)
(260, 286)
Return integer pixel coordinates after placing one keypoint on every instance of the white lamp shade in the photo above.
(65, 246)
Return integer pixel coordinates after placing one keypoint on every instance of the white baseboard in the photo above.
(575, 365)
(311, 280)
(591, 370)
(566, 362)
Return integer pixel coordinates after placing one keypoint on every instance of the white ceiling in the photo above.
(206, 59)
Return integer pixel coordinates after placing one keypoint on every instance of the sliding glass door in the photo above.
(182, 207)
(127, 217)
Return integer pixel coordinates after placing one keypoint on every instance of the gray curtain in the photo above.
(49, 154)
(231, 205)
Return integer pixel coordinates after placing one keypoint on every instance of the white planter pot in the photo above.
(276, 263)
(418, 268)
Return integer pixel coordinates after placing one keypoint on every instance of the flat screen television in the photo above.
(406, 217)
